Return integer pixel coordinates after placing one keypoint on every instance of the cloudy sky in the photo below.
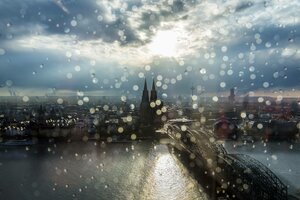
(107, 47)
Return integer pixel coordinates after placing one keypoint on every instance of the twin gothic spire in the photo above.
(153, 94)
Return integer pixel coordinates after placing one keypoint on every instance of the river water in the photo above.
(94, 170)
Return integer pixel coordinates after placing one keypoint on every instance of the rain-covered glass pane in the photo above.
(149, 99)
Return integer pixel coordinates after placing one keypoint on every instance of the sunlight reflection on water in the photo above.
(88, 171)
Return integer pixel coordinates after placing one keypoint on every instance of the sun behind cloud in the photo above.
(165, 44)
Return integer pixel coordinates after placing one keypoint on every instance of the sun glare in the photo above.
(164, 43)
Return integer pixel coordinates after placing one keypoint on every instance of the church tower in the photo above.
(145, 97)
(145, 106)
(153, 96)
(149, 107)
(231, 97)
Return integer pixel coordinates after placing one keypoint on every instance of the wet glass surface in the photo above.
(149, 99)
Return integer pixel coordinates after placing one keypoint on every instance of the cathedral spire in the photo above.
(153, 96)
(153, 85)
(145, 97)
(145, 85)
(145, 106)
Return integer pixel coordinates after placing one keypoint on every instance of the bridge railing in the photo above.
(262, 182)
(232, 171)
(272, 184)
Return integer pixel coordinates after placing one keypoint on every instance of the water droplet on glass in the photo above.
(25, 98)
(2, 52)
(73, 23)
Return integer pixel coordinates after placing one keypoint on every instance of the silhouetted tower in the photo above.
(145, 106)
(153, 103)
(40, 118)
(231, 97)
(153, 96)
(193, 89)
(149, 107)
(246, 102)
(145, 97)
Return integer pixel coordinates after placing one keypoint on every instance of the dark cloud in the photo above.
(278, 37)
(19, 19)
(25, 18)
(243, 5)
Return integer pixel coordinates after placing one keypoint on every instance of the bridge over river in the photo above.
(135, 170)
(235, 175)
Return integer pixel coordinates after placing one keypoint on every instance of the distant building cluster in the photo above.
(230, 118)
